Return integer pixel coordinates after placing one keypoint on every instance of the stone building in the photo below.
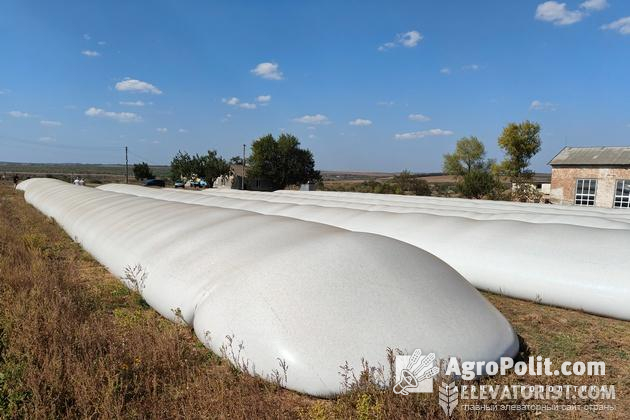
(234, 180)
(591, 176)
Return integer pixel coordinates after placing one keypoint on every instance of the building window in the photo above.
(622, 194)
(585, 192)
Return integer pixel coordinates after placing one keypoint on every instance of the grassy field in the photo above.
(74, 342)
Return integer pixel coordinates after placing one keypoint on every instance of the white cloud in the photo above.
(134, 85)
(472, 67)
(313, 119)
(410, 39)
(386, 46)
(385, 103)
(311, 127)
(445, 70)
(161, 129)
(557, 13)
(87, 37)
(19, 114)
(90, 53)
(102, 43)
(4, 91)
(407, 39)
(50, 123)
(269, 71)
(182, 130)
(537, 105)
(46, 139)
(312, 136)
(234, 101)
(595, 5)
(263, 98)
(620, 25)
(360, 122)
(231, 101)
(117, 116)
(421, 134)
(132, 103)
(419, 117)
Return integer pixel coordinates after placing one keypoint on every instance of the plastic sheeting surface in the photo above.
(556, 263)
(312, 295)
(473, 209)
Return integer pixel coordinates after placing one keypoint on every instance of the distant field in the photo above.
(94, 172)
(101, 173)
(354, 176)
(333, 177)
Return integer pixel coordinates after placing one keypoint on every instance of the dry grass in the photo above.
(76, 343)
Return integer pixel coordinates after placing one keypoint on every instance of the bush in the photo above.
(478, 184)
(142, 171)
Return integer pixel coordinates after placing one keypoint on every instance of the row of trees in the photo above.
(277, 162)
(282, 162)
(479, 177)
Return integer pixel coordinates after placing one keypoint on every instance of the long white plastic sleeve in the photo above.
(312, 295)
(556, 262)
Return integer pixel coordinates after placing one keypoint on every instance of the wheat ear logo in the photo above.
(448, 397)
(415, 373)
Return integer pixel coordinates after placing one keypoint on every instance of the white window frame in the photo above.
(583, 196)
(618, 202)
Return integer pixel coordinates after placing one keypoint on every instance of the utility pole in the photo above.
(243, 177)
(126, 166)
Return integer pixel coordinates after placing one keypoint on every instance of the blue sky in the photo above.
(365, 85)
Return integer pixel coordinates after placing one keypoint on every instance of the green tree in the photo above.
(407, 182)
(142, 171)
(237, 160)
(475, 178)
(520, 143)
(281, 162)
(480, 183)
(209, 166)
(181, 166)
(469, 155)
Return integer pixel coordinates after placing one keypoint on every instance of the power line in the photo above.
(126, 165)
(143, 158)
